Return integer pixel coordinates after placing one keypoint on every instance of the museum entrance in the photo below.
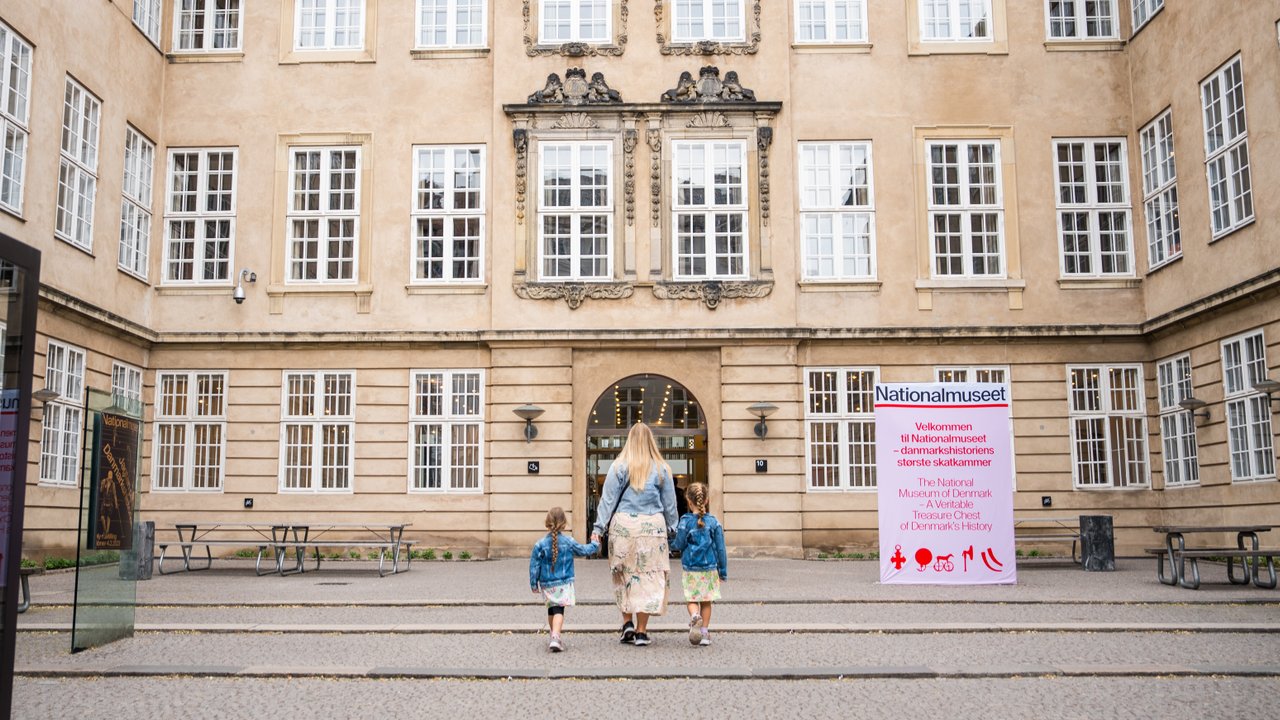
(671, 411)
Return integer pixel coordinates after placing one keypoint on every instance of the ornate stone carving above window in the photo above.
(577, 49)
(708, 47)
(573, 293)
(639, 247)
(711, 292)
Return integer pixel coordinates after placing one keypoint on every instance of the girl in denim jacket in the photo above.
(700, 540)
(551, 571)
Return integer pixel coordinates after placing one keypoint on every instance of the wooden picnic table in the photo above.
(1246, 551)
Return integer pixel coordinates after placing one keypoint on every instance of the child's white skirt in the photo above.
(701, 585)
(561, 595)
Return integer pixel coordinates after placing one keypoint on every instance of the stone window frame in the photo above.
(615, 47)
(1011, 282)
(997, 44)
(1177, 426)
(290, 54)
(214, 399)
(749, 45)
(361, 286)
(447, 419)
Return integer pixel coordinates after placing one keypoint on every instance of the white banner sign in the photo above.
(944, 471)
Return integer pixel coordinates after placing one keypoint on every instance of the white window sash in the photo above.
(458, 466)
(189, 457)
(1095, 210)
(578, 29)
(576, 212)
(841, 443)
(203, 255)
(449, 216)
(710, 212)
(1144, 10)
(966, 211)
(15, 90)
(313, 475)
(1227, 167)
(135, 204)
(951, 26)
(1115, 461)
(208, 30)
(453, 24)
(693, 13)
(1078, 20)
(326, 14)
(323, 217)
(146, 15)
(827, 240)
(821, 16)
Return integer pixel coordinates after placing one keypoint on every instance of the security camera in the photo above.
(238, 294)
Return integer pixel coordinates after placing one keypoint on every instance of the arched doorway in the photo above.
(670, 410)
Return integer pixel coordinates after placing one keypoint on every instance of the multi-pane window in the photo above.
(135, 203)
(1093, 207)
(1160, 191)
(837, 211)
(451, 23)
(78, 169)
(1107, 412)
(146, 15)
(1226, 144)
(126, 387)
(200, 215)
(206, 25)
(1177, 426)
(1082, 19)
(840, 428)
(446, 423)
(562, 21)
(324, 214)
(971, 374)
(1144, 10)
(717, 20)
(955, 20)
(966, 209)
(1244, 363)
(191, 429)
(317, 445)
(710, 210)
(15, 92)
(575, 211)
(328, 25)
(63, 422)
(831, 21)
(448, 213)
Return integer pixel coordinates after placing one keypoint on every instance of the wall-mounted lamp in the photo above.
(1191, 405)
(529, 413)
(238, 293)
(1268, 386)
(43, 396)
(762, 410)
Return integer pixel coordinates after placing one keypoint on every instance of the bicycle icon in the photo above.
(943, 563)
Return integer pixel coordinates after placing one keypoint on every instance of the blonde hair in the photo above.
(640, 456)
(696, 496)
(556, 523)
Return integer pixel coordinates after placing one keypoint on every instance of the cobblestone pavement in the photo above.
(794, 638)
(995, 699)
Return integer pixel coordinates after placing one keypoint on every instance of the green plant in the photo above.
(57, 563)
(822, 556)
(464, 555)
(1018, 552)
(447, 555)
(857, 556)
(873, 556)
(27, 563)
(246, 553)
(354, 554)
(333, 556)
(1034, 553)
(430, 554)
(374, 554)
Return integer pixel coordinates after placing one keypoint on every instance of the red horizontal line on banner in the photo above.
(901, 405)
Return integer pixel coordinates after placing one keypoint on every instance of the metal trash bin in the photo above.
(1097, 543)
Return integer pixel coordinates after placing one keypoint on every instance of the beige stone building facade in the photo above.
(429, 231)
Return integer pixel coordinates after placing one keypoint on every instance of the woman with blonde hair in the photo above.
(638, 509)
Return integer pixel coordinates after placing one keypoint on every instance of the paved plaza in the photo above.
(791, 639)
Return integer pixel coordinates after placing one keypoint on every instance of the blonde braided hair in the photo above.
(696, 496)
(556, 523)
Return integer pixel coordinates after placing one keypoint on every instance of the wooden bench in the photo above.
(1246, 558)
(25, 601)
(384, 547)
(1048, 529)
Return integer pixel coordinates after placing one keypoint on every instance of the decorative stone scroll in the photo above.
(654, 139)
(630, 138)
(711, 292)
(575, 90)
(574, 293)
(708, 88)
(575, 49)
(707, 47)
(520, 137)
(764, 138)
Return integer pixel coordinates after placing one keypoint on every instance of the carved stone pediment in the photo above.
(575, 89)
(574, 293)
(711, 292)
(708, 88)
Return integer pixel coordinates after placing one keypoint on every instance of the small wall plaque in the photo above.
(248, 503)
(535, 466)
(762, 466)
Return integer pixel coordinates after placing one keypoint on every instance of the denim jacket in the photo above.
(658, 497)
(541, 572)
(701, 548)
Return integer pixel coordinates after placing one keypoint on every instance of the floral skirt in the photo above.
(641, 563)
(561, 595)
(701, 585)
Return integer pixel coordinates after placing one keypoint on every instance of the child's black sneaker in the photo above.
(628, 633)
(642, 639)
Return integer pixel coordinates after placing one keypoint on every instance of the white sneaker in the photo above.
(695, 629)
(555, 645)
(706, 638)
